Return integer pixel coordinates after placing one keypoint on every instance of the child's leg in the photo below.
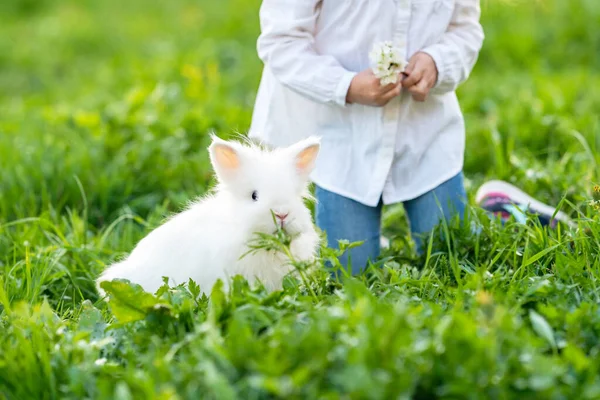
(443, 202)
(342, 218)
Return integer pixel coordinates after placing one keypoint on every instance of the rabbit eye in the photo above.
(255, 196)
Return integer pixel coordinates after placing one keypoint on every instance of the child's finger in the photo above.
(388, 87)
(423, 85)
(391, 94)
(420, 97)
(414, 77)
(420, 90)
(410, 66)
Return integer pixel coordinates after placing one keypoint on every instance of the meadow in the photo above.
(105, 113)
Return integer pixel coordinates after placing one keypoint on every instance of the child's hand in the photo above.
(422, 76)
(366, 89)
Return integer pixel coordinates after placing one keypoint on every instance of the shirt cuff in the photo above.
(341, 91)
(437, 53)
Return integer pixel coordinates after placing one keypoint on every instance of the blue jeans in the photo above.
(343, 218)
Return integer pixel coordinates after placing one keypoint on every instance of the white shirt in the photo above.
(313, 48)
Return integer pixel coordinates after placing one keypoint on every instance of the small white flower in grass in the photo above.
(100, 362)
(386, 62)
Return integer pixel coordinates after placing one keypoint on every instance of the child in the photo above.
(400, 142)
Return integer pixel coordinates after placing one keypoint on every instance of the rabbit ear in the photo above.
(305, 154)
(224, 157)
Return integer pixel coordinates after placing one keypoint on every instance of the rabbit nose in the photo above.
(281, 216)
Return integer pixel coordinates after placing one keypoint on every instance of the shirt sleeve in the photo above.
(457, 51)
(287, 47)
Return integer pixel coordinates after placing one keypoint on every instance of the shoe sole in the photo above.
(519, 196)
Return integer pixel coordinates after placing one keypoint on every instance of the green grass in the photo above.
(105, 111)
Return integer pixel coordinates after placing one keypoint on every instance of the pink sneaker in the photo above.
(505, 200)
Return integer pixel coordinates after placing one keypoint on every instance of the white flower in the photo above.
(100, 362)
(386, 62)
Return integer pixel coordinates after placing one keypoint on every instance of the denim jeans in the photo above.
(343, 218)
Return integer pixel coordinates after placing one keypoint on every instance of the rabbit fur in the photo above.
(207, 240)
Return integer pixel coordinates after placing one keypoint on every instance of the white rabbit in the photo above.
(206, 241)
